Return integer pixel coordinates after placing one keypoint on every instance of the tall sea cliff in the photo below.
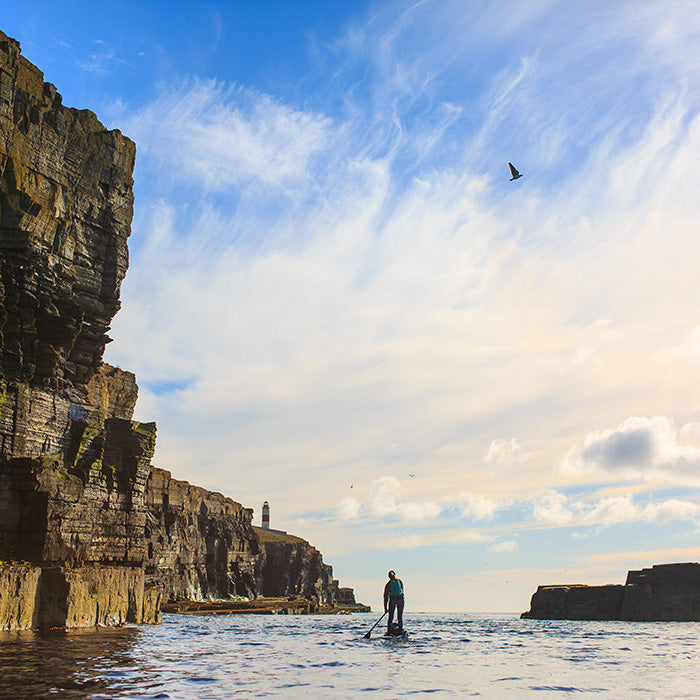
(90, 532)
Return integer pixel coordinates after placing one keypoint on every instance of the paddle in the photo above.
(369, 632)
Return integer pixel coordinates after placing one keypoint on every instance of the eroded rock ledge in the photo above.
(665, 592)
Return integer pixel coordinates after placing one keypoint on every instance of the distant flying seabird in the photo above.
(514, 172)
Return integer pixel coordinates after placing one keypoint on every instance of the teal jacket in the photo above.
(389, 593)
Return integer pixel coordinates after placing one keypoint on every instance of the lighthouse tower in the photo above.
(266, 516)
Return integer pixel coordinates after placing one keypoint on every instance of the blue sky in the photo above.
(339, 303)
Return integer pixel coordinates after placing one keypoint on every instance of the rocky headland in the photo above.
(90, 532)
(665, 592)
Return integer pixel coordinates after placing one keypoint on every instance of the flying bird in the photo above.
(514, 172)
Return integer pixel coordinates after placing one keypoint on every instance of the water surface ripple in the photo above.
(447, 655)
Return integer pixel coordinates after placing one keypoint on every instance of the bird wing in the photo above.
(513, 170)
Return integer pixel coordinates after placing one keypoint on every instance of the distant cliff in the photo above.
(90, 533)
(289, 565)
(201, 545)
(665, 592)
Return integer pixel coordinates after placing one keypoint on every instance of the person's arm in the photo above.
(386, 597)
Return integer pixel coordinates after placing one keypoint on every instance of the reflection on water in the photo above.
(445, 656)
(65, 664)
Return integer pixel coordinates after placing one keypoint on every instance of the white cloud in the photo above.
(661, 513)
(506, 546)
(382, 502)
(328, 284)
(552, 508)
(690, 433)
(402, 542)
(348, 509)
(555, 509)
(433, 539)
(608, 511)
(504, 453)
(479, 507)
(689, 347)
(638, 447)
(462, 537)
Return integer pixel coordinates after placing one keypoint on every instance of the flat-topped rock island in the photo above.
(662, 593)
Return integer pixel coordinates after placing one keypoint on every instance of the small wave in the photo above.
(566, 689)
(329, 663)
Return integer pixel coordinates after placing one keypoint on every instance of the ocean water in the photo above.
(457, 655)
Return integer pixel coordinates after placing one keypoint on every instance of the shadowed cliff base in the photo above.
(663, 593)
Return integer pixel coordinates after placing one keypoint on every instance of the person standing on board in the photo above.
(393, 600)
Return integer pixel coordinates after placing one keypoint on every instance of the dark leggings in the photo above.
(395, 604)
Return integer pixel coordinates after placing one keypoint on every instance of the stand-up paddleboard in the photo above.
(401, 635)
(395, 633)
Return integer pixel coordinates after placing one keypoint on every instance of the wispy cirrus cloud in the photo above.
(217, 136)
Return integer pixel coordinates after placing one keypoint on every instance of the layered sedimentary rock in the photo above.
(665, 592)
(66, 205)
(289, 565)
(200, 545)
(344, 596)
(73, 466)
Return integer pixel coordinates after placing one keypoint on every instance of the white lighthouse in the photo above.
(266, 516)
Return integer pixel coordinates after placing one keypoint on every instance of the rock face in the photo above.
(200, 545)
(665, 592)
(291, 566)
(73, 466)
(344, 596)
(66, 205)
(59, 597)
(96, 534)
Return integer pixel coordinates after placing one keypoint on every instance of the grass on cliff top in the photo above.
(268, 536)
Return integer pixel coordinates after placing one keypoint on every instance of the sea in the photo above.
(458, 655)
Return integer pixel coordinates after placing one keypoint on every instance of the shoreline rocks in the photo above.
(662, 593)
(262, 606)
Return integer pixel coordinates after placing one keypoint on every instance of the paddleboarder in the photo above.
(393, 600)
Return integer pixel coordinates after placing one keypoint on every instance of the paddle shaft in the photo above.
(369, 632)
